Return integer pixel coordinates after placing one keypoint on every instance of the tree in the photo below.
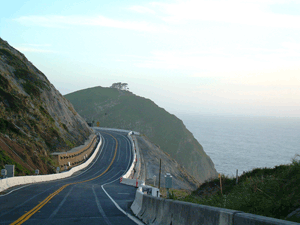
(120, 86)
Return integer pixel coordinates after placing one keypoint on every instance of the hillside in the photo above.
(150, 157)
(35, 119)
(122, 109)
(272, 192)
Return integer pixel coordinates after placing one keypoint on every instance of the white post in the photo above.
(154, 178)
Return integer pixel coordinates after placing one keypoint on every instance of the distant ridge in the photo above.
(122, 109)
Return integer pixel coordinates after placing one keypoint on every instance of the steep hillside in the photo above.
(122, 109)
(150, 157)
(35, 119)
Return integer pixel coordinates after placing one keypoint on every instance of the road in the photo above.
(92, 196)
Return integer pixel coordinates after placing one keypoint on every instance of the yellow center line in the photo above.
(30, 213)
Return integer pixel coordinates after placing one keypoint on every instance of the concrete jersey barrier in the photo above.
(130, 171)
(159, 211)
(125, 179)
(13, 181)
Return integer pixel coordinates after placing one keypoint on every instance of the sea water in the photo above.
(244, 143)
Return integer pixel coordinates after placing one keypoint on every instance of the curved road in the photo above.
(91, 196)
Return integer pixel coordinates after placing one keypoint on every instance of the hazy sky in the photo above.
(208, 57)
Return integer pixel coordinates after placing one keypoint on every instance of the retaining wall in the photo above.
(13, 181)
(77, 155)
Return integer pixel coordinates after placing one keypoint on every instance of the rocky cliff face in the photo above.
(33, 115)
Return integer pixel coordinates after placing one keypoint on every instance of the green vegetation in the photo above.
(45, 113)
(31, 89)
(117, 108)
(3, 82)
(175, 194)
(13, 60)
(22, 73)
(6, 125)
(267, 192)
(64, 126)
(13, 101)
(19, 169)
(33, 82)
(69, 143)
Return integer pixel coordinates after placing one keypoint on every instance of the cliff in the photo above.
(35, 119)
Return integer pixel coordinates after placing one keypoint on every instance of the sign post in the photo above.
(221, 183)
(159, 174)
(168, 182)
(154, 178)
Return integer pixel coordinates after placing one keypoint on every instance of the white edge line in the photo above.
(137, 221)
(15, 190)
(134, 219)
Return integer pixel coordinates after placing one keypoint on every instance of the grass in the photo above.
(174, 193)
(19, 169)
(264, 191)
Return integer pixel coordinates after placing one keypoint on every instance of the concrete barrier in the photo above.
(130, 170)
(136, 206)
(117, 130)
(13, 181)
(153, 210)
(251, 219)
(138, 160)
(132, 182)
(164, 211)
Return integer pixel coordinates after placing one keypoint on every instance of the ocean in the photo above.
(245, 143)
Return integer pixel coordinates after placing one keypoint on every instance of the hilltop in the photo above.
(35, 119)
(116, 108)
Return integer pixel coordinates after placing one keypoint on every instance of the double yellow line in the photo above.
(30, 213)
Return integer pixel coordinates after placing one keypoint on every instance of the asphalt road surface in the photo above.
(91, 196)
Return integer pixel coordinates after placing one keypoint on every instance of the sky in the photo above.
(233, 57)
